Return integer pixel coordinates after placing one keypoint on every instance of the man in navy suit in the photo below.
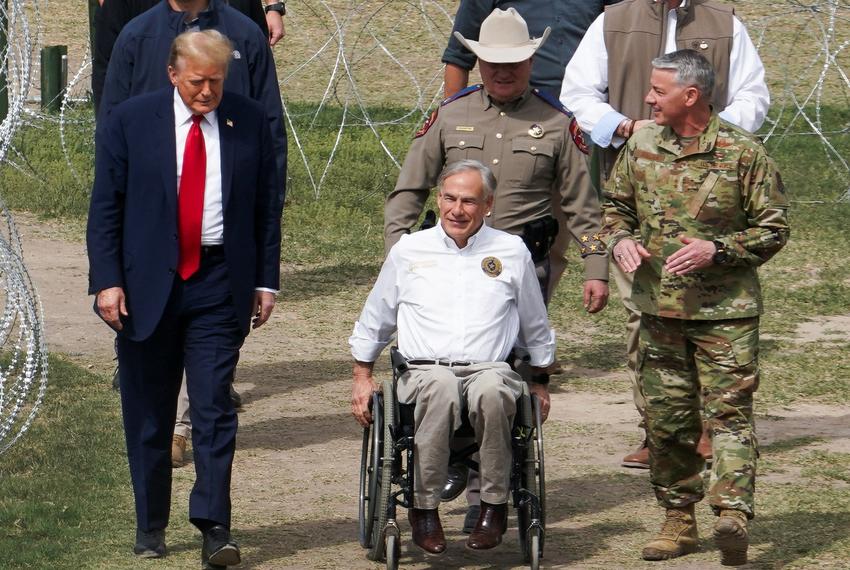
(184, 250)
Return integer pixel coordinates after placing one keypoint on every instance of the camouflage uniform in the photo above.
(532, 147)
(699, 331)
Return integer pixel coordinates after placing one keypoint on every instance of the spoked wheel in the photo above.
(383, 469)
(532, 528)
(370, 456)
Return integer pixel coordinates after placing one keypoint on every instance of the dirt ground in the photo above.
(295, 476)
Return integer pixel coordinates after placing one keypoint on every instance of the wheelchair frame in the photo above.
(386, 475)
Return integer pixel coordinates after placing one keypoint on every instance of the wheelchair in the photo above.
(386, 472)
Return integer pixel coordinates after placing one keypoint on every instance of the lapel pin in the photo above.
(228, 122)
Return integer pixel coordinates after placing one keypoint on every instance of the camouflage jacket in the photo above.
(722, 187)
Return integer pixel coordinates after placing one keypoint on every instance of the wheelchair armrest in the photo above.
(524, 415)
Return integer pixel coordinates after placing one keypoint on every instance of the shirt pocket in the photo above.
(461, 146)
(531, 163)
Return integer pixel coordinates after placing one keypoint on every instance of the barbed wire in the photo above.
(23, 352)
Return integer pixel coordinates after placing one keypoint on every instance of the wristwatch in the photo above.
(278, 7)
(721, 256)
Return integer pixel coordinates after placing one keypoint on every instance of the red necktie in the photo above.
(190, 201)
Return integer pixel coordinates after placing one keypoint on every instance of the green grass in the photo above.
(64, 487)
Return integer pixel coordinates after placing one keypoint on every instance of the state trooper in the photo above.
(709, 208)
(532, 145)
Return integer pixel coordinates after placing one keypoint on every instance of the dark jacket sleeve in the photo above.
(269, 206)
(468, 20)
(265, 89)
(106, 211)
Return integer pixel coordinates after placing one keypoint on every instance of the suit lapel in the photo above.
(227, 136)
(167, 149)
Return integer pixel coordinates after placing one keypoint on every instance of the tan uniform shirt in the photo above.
(528, 146)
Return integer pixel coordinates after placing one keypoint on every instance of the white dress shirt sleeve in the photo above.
(374, 329)
(748, 99)
(584, 90)
(535, 338)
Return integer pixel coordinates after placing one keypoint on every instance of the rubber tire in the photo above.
(369, 469)
(541, 472)
(393, 551)
(534, 480)
(376, 552)
(534, 549)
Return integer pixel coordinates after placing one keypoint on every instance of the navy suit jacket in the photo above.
(132, 224)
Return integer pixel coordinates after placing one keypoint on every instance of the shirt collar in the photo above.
(183, 114)
(510, 106)
(705, 143)
(470, 243)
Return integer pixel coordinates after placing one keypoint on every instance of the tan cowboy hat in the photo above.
(504, 38)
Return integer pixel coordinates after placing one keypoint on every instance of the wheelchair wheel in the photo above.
(532, 528)
(385, 463)
(370, 455)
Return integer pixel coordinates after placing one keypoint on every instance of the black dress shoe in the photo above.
(455, 482)
(150, 544)
(236, 398)
(219, 550)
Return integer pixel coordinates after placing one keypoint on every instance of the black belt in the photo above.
(441, 362)
(212, 250)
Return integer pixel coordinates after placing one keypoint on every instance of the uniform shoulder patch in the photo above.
(462, 93)
(427, 125)
(575, 131)
(578, 137)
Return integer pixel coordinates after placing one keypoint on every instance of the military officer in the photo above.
(710, 208)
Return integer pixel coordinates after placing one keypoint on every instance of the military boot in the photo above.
(732, 537)
(678, 535)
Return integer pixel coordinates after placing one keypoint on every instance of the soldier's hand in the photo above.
(595, 295)
(697, 254)
(629, 254)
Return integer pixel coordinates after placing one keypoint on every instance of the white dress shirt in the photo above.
(473, 304)
(212, 228)
(585, 87)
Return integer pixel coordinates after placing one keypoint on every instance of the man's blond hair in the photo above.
(208, 46)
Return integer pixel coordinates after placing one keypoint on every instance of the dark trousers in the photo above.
(199, 331)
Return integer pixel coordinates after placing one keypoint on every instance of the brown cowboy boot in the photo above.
(732, 537)
(678, 535)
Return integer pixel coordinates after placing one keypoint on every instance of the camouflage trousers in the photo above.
(679, 361)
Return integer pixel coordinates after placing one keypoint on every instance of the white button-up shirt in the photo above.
(585, 87)
(473, 304)
(212, 229)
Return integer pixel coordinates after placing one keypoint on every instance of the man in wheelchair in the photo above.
(460, 296)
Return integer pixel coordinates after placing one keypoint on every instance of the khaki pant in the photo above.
(183, 425)
(490, 391)
(624, 286)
